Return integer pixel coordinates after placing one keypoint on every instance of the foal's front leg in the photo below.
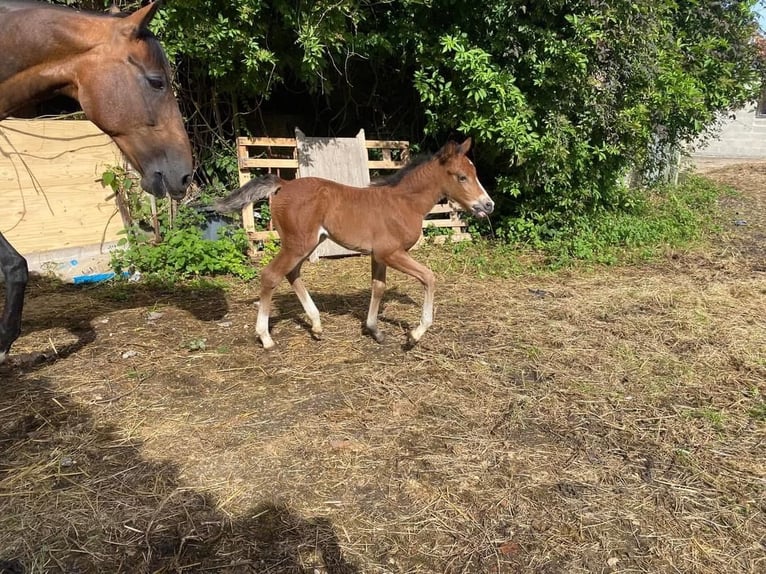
(401, 261)
(378, 288)
(14, 269)
(286, 261)
(294, 277)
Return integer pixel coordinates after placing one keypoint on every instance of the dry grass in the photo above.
(592, 421)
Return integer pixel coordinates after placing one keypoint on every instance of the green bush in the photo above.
(183, 251)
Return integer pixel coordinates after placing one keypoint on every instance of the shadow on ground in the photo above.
(51, 303)
(76, 496)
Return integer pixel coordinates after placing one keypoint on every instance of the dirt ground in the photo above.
(608, 420)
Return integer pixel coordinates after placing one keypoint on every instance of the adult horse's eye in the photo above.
(156, 83)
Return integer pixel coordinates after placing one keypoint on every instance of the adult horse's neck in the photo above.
(46, 58)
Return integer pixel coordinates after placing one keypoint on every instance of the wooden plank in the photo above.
(50, 185)
(384, 164)
(396, 144)
(445, 208)
(262, 235)
(266, 142)
(268, 163)
(443, 223)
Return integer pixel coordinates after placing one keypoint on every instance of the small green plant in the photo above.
(197, 344)
(183, 251)
(270, 250)
(430, 231)
(758, 412)
(641, 225)
(713, 416)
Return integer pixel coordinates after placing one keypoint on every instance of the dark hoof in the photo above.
(376, 334)
(409, 343)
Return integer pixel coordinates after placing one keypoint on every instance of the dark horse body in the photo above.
(116, 69)
(382, 220)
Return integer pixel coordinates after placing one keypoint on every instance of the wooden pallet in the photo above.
(280, 156)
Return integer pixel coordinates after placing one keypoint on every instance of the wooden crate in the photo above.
(280, 156)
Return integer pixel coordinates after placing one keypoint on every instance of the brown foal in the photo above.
(383, 220)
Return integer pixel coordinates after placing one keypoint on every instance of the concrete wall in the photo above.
(742, 135)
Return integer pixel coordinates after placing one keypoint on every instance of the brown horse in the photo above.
(116, 69)
(384, 220)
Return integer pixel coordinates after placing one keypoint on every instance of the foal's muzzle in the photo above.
(483, 207)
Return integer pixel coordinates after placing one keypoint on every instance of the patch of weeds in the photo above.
(172, 244)
(270, 250)
(758, 412)
(643, 225)
(198, 344)
(431, 231)
(712, 416)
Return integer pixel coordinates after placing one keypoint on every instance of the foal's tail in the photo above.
(253, 191)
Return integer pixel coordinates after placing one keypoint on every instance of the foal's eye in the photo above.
(462, 178)
(156, 83)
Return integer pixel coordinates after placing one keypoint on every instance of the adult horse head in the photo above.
(114, 67)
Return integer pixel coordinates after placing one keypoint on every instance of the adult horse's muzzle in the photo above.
(160, 184)
(483, 207)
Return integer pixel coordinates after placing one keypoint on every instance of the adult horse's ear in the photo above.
(463, 148)
(139, 20)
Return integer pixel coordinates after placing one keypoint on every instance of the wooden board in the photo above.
(339, 159)
(50, 174)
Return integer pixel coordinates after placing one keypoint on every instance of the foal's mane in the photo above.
(395, 178)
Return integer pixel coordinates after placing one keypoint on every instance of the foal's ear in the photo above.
(139, 20)
(463, 148)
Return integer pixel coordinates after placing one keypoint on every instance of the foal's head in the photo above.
(461, 183)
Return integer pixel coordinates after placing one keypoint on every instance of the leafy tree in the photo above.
(562, 96)
(568, 95)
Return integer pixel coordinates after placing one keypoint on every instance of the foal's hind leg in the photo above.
(378, 288)
(401, 261)
(294, 277)
(284, 262)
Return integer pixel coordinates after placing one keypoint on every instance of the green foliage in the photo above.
(430, 231)
(183, 251)
(649, 224)
(566, 96)
(270, 250)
